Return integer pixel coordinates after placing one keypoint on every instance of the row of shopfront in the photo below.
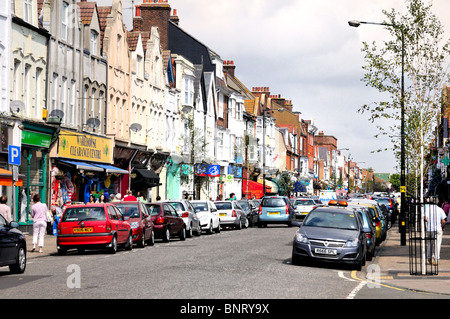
(66, 167)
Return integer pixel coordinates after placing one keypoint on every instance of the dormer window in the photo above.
(28, 11)
(64, 20)
(94, 37)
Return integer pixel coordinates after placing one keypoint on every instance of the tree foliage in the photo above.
(426, 57)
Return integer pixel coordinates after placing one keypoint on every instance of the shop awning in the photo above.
(254, 188)
(6, 178)
(273, 186)
(83, 165)
(111, 169)
(146, 178)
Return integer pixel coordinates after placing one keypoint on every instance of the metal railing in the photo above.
(422, 225)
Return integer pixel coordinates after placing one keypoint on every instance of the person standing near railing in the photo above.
(434, 217)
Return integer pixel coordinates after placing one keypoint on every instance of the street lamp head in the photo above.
(354, 23)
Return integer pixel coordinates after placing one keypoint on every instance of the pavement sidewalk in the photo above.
(394, 266)
(392, 259)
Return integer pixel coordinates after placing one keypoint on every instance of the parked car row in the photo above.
(342, 231)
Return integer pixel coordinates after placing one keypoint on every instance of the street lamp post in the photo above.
(402, 225)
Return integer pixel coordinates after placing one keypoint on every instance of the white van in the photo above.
(327, 195)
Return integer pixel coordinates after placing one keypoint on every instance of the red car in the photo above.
(141, 223)
(166, 221)
(93, 226)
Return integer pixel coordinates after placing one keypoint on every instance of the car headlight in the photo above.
(352, 243)
(134, 225)
(300, 238)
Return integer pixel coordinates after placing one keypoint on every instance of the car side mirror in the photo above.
(14, 224)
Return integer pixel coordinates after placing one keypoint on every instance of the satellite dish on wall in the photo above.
(135, 127)
(93, 122)
(16, 106)
(57, 113)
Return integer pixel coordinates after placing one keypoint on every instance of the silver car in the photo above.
(231, 214)
(185, 209)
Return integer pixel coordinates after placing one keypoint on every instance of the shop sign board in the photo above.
(36, 139)
(85, 147)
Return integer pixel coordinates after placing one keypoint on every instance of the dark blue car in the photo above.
(332, 234)
(13, 247)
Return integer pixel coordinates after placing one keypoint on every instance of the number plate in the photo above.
(222, 214)
(324, 251)
(83, 230)
(273, 213)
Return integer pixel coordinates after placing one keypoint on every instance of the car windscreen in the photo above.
(384, 201)
(83, 213)
(129, 210)
(304, 202)
(200, 207)
(244, 204)
(224, 206)
(153, 209)
(273, 202)
(328, 219)
(177, 206)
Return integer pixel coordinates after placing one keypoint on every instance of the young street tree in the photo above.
(426, 57)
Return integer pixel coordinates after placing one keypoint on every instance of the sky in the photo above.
(306, 52)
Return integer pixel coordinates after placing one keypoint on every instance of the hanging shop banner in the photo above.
(85, 147)
(207, 170)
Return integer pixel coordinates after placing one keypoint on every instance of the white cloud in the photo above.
(306, 52)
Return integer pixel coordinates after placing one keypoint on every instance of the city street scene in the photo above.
(224, 158)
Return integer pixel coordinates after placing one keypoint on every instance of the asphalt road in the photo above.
(251, 264)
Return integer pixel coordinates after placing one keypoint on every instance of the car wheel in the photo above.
(21, 261)
(183, 233)
(129, 243)
(166, 236)
(295, 259)
(210, 229)
(113, 245)
(151, 240)
(141, 243)
(218, 228)
(199, 230)
(246, 223)
(189, 232)
(62, 251)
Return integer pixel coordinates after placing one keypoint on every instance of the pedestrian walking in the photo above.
(434, 217)
(5, 210)
(39, 214)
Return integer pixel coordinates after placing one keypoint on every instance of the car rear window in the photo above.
(153, 209)
(273, 202)
(331, 220)
(130, 210)
(177, 206)
(223, 206)
(304, 202)
(201, 207)
(83, 213)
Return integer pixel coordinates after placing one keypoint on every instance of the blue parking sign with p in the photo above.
(14, 155)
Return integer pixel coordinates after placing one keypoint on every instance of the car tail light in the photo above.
(233, 214)
(159, 220)
(368, 235)
(260, 210)
(59, 228)
(108, 227)
(287, 209)
(185, 214)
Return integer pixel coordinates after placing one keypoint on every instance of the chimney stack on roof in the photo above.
(154, 13)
